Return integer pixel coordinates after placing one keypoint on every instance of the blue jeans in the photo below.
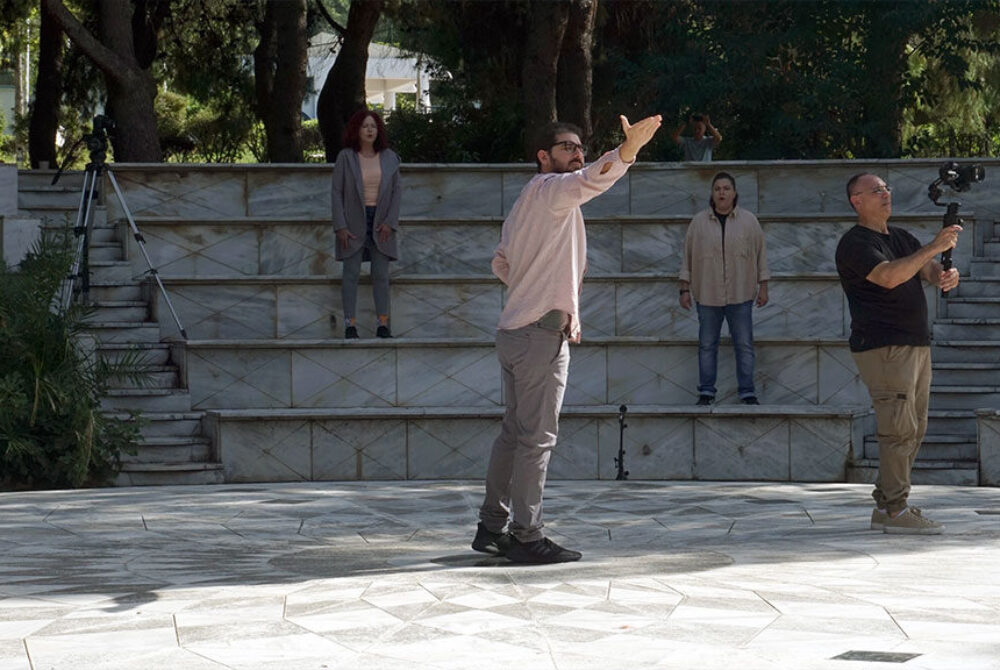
(740, 320)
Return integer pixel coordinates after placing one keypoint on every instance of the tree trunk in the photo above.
(576, 73)
(280, 68)
(546, 27)
(131, 88)
(344, 89)
(48, 86)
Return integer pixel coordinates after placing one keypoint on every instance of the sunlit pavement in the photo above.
(380, 575)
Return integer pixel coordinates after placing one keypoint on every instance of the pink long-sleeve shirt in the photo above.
(542, 255)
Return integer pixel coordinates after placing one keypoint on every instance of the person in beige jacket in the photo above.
(724, 269)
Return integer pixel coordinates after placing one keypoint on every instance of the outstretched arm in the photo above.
(716, 135)
(637, 136)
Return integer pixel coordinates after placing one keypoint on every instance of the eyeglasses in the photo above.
(571, 147)
(878, 190)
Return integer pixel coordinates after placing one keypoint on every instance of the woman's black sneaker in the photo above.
(704, 400)
(540, 551)
(383, 332)
(351, 333)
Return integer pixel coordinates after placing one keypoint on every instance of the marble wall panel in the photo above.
(653, 375)
(239, 378)
(265, 451)
(359, 449)
(787, 374)
(819, 449)
(651, 308)
(687, 190)
(8, 190)
(452, 194)
(576, 453)
(513, 184)
(655, 447)
(740, 449)
(455, 249)
(613, 202)
(198, 249)
(587, 380)
(839, 382)
(446, 310)
(604, 248)
(989, 448)
(343, 377)
(597, 309)
(802, 309)
(289, 193)
(449, 448)
(180, 193)
(297, 249)
(792, 189)
(220, 311)
(446, 377)
(17, 236)
(652, 247)
(303, 311)
(803, 246)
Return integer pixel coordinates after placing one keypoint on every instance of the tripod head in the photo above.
(97, 141)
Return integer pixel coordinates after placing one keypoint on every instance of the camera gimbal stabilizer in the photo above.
(958, 178)
(97, 144)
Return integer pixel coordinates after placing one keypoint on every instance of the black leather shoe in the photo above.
(351, 333)
(489, 542)
(704, 400)
(750, 400)
(383, 332)
(540, 551)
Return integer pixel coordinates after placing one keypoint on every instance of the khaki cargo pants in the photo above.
(899, 381)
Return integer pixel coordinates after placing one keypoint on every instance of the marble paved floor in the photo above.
(379, 576)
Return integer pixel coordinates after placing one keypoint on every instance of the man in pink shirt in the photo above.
(542, 258)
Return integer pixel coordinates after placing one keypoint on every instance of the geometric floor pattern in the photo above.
(373, 576)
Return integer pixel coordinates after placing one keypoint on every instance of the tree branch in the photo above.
(341, 30)
(105, 59)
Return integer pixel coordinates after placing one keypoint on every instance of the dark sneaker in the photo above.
(704, 400)
(350, 333)
(383, 332)
(750, 400)
(489, 542)
(540, 551)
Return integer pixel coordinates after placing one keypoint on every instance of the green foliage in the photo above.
(312, 142)
(52, 432)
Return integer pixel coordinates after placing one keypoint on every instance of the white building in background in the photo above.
(7, 101)
(390, 71)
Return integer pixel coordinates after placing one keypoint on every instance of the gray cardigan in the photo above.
(349, 202)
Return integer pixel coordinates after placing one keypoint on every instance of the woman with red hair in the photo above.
(366, 215)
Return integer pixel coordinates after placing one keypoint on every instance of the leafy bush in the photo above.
(52, 431)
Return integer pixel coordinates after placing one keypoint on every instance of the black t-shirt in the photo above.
(881, 317)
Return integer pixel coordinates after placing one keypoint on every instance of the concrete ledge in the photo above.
(988, 422)
(8, 189)
(738, 443)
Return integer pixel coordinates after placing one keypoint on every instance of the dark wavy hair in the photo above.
(724, 175)
(352, 133)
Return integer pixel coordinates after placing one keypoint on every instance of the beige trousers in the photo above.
(899, 381)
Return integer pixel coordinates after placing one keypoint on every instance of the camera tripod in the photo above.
(89, 194)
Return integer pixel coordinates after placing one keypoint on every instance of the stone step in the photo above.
(147, 400)
(952, 422)
(169, 474)
(984, 267)
(713, 443)
(964, 397)
(991, 249)
(147, 353)
(109, 272)
(152, 377)
(104, 291)
(118, 310)
(965, 351)
(945, 473)
(166, 424)
(62, 194)
(958, 374)
(172, 450)
(802, 306)
(966, 328)
(447, 372)
(936, 448)
(977, 287)
(185, 245)
(124, 331)
(986, 307)
(41, 178)
(103, 252)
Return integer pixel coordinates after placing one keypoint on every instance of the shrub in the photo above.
(52, 431)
